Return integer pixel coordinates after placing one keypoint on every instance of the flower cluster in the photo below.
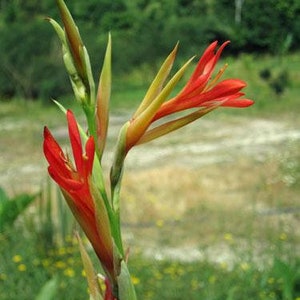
(201, 92)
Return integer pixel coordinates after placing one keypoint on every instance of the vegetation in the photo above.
(226, 209)
(243, 254)
(24, 273)
(241, 215)
(11, 208)
(143, 32)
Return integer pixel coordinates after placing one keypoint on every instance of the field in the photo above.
(209, 212)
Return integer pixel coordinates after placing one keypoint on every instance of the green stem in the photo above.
(116, 174)
(90, 117)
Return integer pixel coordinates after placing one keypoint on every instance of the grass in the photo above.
(216, 282)
(26, 270)
(214, 229)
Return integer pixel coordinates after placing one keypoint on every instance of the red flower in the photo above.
(77, 186)
(199, 91)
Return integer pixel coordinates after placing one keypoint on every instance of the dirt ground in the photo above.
(204, 144)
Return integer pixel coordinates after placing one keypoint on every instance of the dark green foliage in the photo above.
(143, 33)
(265, 74)
(10, 209)
(261, 25)
(278, 82)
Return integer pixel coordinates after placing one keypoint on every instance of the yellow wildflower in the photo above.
(17, 258)
(22, 268)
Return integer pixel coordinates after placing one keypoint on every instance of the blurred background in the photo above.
(209, 212)
(143, 33)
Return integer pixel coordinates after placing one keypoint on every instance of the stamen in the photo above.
(68, 163)
(214, 81)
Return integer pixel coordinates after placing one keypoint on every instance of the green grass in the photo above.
(25, 270)
(129, 90)
(175, 280)
(213, 208)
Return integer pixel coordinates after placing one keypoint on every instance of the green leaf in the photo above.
(10, 209)
(3, 196)
(59, 31)
(89, 74)
(126, 288)
(49, 290)
(103, 99)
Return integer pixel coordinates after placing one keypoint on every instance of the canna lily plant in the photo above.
(95, 206)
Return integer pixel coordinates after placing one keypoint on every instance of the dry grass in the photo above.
(243, 200)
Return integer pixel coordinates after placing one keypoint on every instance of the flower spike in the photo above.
(93, 200)
(78, 189)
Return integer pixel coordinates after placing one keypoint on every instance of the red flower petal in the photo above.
(75, 141)
(66, 183)
(224, 88)
(54, 153)
(208, 61)
(89, 154)
(238, 103)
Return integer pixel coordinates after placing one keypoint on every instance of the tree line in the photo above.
(143, 31)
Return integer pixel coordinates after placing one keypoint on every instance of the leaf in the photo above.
(10, 209)
(59, 31)
(103, 99)
(126, 289)
(3, 196)
(49, 290)
(94, 287)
